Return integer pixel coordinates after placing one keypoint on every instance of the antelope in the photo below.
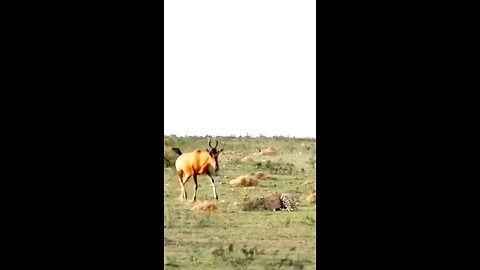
(197, 163)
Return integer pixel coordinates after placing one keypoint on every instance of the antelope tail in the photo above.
(177, 150)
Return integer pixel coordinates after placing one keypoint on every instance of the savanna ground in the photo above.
(230, 238)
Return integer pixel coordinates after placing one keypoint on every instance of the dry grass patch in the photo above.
(306, 183)
(312, 198)
(248, 180)
(244, 181)
(205, 206)
(246, 159)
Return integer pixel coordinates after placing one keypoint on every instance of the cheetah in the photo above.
(288, 202)
(271, 202)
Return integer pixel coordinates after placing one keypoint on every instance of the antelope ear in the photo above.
(220, 150)
(207, 150)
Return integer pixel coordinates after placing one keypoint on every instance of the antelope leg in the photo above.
(215, 195)
(195, 189)
(182, 183)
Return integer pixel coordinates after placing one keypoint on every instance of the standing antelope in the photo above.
(197, 163)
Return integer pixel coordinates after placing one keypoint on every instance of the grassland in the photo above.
(230, 238)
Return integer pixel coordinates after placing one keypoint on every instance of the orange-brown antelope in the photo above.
(197, 163)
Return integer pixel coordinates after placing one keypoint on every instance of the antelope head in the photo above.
(214, 153)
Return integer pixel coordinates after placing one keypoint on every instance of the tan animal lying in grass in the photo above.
(269, 151)
(271, 202)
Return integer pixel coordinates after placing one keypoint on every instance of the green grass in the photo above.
(230, 238)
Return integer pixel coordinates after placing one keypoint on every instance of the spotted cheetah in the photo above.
(272, 202)
(288, 202)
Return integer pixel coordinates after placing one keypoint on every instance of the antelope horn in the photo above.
(216, 143)
(209, 140)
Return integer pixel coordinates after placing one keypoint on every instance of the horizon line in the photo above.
(237, 136)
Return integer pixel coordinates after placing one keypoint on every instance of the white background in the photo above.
(240, 67)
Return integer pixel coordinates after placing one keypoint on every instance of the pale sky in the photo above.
(240, 67)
